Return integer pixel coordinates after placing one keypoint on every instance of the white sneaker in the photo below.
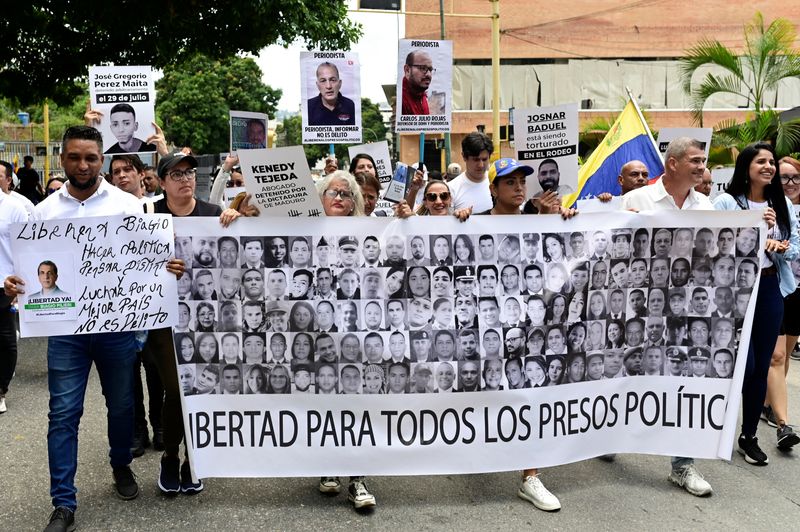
(330, 485)
(3, 407)
(691, 480)
(359, 494)
(532, 490)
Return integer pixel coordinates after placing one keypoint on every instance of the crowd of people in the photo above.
(475, 313)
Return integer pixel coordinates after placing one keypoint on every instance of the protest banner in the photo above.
(720, 177)
(344, 337)
(126, 97)
(546, 139)
(248, 131)
(331, 97)
(595, 205)
(94, 275)
(424, 86)
(379, 151)
(668, 134)
(280, 182)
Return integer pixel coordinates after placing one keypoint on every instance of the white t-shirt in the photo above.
(11, 211)
(28, 204)
(467, 193)
(107, 200)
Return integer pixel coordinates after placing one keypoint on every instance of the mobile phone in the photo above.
(396, 190)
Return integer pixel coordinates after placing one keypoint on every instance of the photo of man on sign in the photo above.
(330, 107)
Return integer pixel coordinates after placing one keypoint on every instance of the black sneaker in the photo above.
(169, 481)
(137, 449)
(787, 438)
(125, 483)
(769, 416)
(158, 440)
(188, 486)
(752, 453)
(61, 520)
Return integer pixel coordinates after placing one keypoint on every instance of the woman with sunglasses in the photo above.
(436, 201)
(54, 184)
(340, 195)
(775, 410)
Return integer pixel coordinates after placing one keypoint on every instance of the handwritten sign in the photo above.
(94, 275)
(280, 182)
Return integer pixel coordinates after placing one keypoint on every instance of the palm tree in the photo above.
(768, 57)
(766, 125)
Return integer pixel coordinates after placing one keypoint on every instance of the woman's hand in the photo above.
(769, 217)
(176, 266)
(158, 140)
(463, 214)
(228, 216)
(402, 210)
(776, 246)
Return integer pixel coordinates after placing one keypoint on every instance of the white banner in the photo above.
(126, 97)
(424, 86)
(331, 84)
(94, 275)
(297, 354)
(280, 182)
(546, 139)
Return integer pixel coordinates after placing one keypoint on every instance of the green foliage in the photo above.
(769, 56)
(49, 44)
(763, 126)
(290, 133)
(194, 98)
(61, 116)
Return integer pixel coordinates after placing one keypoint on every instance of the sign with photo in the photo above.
(248, 130)
(331, 105)
(424, 86)
(334, 345)
(280, 182)
(546, 139)
(379, 151)
(95, 275)
(126, 97)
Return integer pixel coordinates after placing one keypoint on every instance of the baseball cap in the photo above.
(453, 170)
(169, 162)
(505, 166)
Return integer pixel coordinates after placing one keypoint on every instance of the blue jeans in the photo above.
(69, 361)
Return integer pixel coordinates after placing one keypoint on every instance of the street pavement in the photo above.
(630, 494)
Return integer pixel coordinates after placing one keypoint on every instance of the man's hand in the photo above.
(548, 202)
(605, 197)
(158, 139)
(91, 117)
(402, 210)
(228, 216)
(176, 266)
(11, 286)
(776, 246)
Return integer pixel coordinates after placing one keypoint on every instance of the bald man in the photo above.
(633, 174)
(417, 75)
(705, 185)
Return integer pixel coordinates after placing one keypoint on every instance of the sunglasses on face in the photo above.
(442, 196)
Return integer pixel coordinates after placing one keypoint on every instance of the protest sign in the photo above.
(280, 182)
(331, 97)
(126, 97)
(668, 134)
(546, 139)
(379, 151)
(248, 130)
(95, 275)
(424, 86)
(720, 177)
(344, 336)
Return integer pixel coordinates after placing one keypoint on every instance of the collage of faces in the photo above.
(442, 313)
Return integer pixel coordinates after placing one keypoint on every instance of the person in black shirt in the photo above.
(330, 107)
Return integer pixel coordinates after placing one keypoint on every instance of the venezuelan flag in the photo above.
(628, 139)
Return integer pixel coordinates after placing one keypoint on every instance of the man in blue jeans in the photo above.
(70, 358)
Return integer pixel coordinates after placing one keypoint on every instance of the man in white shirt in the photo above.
(11, 211)
(684, 166)
(471, 188)
(6, 186)
(70, 357)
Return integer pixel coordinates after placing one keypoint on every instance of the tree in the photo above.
(194, 98)
(49, 44)
(290, 133)
(768, 57)
(730, 137)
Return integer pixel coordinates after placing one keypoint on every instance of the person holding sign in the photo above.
(70, 357)
(756, 184)
(330, 107)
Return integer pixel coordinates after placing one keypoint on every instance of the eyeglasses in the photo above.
(442, 196)
(425, 69)
(234, 184)
(344, 194)
(182, 175)
(791, 178)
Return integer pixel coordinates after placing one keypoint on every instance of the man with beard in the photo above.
(324, 287)
(417, 76)
(394, 253)
(71, 357)
(679, 274)
(550, 176)
(228, 252)
(418, 252)
(515, 342)
(302, 379)
(205, 251)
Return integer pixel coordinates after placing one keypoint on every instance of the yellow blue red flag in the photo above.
(628, 139)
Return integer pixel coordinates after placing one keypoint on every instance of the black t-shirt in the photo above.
(201, 208)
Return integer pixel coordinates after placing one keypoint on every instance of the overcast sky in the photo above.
(377, 53)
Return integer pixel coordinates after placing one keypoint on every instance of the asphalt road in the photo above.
(630, 494)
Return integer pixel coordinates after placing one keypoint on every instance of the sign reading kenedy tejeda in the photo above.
(126, 97)
(331, 88)
(94, 275)
(333, 345)
(424, 86)
(546, 139)
(280, 182)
